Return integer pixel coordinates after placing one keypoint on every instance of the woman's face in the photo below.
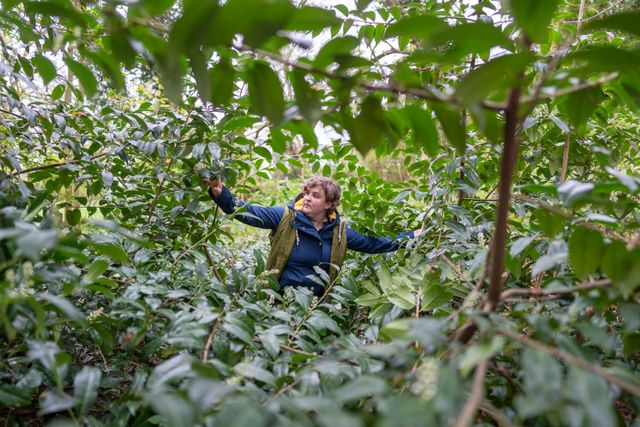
(315, 202)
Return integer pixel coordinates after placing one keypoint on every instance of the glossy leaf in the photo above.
(85, 388)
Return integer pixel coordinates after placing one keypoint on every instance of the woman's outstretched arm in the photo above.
(254, 215)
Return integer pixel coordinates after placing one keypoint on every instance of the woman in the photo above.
(306, 234)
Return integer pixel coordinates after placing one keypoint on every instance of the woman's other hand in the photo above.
(215, 185)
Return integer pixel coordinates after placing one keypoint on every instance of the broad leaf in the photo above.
(265, 91)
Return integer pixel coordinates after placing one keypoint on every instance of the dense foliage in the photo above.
(508, 131)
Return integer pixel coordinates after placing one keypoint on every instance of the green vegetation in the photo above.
(508, 130)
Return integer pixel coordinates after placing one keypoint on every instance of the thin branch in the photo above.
(581, 363)
(57, 165)
(532, 100)
(286, 388)
(214, 330)
(212, 264)
(600, 13)
(421, 93)
(477, 395)
(558, 211)
(565, 156)
(494, 413)
(507, 165)
(514, 293)
(296, 351)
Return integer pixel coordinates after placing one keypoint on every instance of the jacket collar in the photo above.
(296, 205)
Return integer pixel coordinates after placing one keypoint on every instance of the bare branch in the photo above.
(477, 395)
(514, 293)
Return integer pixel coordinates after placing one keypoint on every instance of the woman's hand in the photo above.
(215, 185)
(417, 233)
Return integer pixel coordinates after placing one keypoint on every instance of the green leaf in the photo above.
(369, 126)
(550, 223)
(96, 268)
(464, 39)
(626, 21)
(112, 250)
(57, 92)
(85, 388)
(31, 244)
(585, 251)
(271, 343)
(255, 372)
(581, 105)
(572, 190)
(339, 46)
(482, 350)
(488, 123)
(417, 26)
(263, 152)
(310, 18)
(151, 8)
(55, 401)
(541, 377)
(593, 405)
(451, 123)
(307, 99)
(84, 75)
(169, 372)
(631, 315)
(424, 129)
(534, 17)
(265, 91)
(173, 407)
(65, 12)
(519, 245)
(622, 267)
(607, 58)
(73, 216)
(360, 388)
(66, 307)
(14, 397)
(262, 18)
(222, 81)
(45, 68)
(487, 78)
(201, 73)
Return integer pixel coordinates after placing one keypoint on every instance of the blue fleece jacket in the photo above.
(312, 248)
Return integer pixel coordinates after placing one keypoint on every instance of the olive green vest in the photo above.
(283, 238)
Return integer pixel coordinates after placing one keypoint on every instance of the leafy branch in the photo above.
(573, 360)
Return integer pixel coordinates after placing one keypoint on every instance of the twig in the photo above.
(494, 413)
(205, 352)
(559, 354)
(513, 293)
(565, 156)
(395, 90)
(286, 388)
(476, 397)
(57, 165)
(600, 13)
(212, 264)
(296, 351)
(186, 251)
(157, 195)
